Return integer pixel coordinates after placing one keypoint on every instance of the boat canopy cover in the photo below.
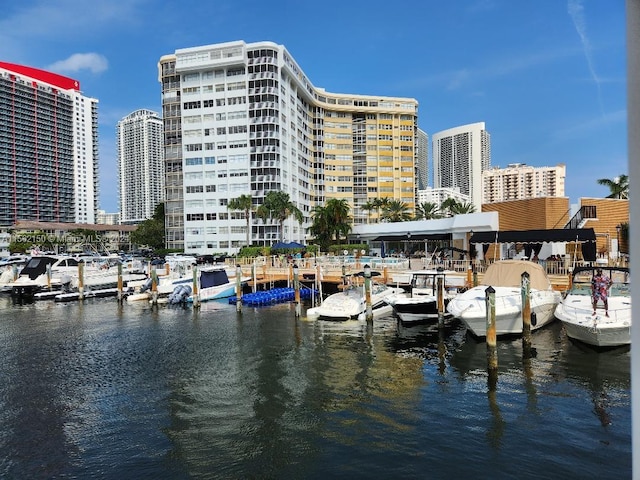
(580, 235)
(287, 246)
(213, 278)
(508, 273)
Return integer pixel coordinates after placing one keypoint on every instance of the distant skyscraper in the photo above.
(243, 118)
(460, 155)
(519, 181)
(48, 148)
(422, 160)
(140, 165)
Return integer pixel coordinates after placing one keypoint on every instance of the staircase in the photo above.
(587, 212)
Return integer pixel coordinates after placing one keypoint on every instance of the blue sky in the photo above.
(547, 76)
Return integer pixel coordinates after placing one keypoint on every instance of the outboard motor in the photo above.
(179, 294)
(147, 285)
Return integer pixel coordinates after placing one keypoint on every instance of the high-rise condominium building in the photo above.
(460, 155)
(520, 181)
(244, 119)
(48, 148)
(422, 160)
(439, 195)
(140, 165)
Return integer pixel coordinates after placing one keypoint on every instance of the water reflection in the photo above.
(135, 391)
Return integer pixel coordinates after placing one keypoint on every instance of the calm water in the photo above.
(97, 390)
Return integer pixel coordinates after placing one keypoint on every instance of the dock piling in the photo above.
(367, 292)
(492, 346)
(238, 288)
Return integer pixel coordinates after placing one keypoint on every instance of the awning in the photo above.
(414, 237)
(580, 235)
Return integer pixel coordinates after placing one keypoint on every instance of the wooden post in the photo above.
(469, 276)
(196, 294)
(238, 288)
(367, 292)
(525, 283)
(296, 289)
(440, 299)
(475, 278)
(80, 280)
(344, 278)
(254, 277)
(48, 276)
(492, 347)
(154, 286)
(319, 277)
(119, 282)
(384, 275)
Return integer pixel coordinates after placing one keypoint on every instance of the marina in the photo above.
(214, 393)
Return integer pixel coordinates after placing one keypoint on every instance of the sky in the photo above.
(548, 77)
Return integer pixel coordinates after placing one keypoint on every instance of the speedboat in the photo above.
(576, 309)
(63, 273)
(421, 304)
(505, 276)
(215, 284)
(351, 303)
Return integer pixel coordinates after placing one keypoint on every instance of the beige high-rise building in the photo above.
(520, 181)
(243, 118)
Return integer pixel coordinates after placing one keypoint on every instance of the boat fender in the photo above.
(534, 319)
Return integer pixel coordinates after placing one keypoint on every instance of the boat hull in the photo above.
(576, 314)
(470, 307)
(418, 310)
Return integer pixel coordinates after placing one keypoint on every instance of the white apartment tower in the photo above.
(520, 181)
(140, 165)
(422, 160)
(460, 155)
(243, 119)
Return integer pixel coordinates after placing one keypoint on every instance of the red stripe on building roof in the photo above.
(51, 78)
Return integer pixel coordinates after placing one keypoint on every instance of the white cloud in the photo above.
(93, 62)
(576, 11)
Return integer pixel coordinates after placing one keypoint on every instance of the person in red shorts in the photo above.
(600, 284)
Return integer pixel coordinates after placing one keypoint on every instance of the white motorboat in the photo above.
(215, 284)
(576, 309)
(66, 273)
(505, 276)
(351, 303)
(421, 305)
(176, 285)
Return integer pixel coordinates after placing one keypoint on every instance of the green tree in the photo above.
(320, 227)
(278, 206)
(618, 187)
(243, 203)
(369, 207)
(331, 222)
(380, 203)
(151, 231)
(396, 211)
(338, 214)
(453, 207)
(427, 211)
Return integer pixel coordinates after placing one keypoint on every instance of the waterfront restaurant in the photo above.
(424, 236)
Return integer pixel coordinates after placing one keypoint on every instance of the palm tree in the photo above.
(427, 211)
(331, 222)
(321, 227)
(396, 211)
(369, 207)
(338, 214)
(461, 208)
(454, 207)
(278, 206)
(619, 186)
(380, 203)
(243, 203)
